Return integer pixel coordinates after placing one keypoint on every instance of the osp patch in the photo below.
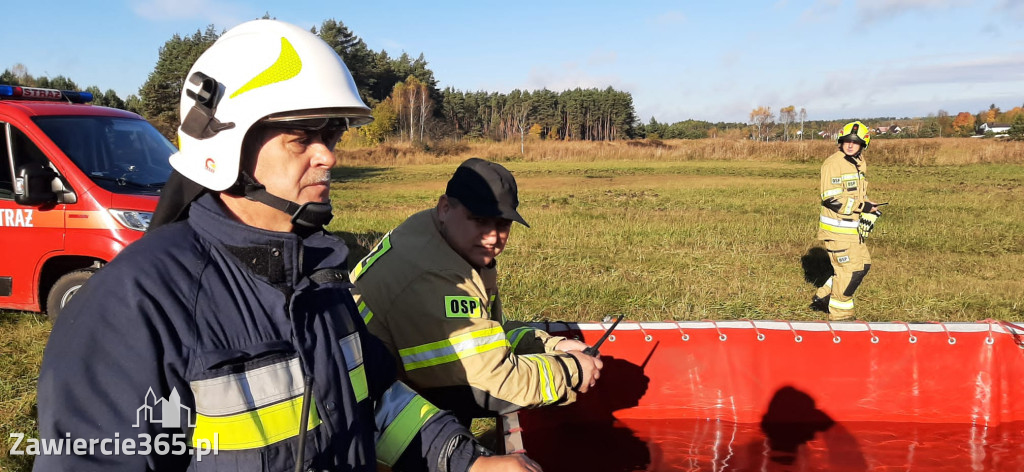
(462, 307)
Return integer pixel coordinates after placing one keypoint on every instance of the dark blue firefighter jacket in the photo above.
(204, 333)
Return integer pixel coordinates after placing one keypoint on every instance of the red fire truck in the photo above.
(78, 183)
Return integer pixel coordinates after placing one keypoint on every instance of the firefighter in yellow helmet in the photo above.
(847, 216)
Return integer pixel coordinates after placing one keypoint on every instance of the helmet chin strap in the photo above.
(305, 217)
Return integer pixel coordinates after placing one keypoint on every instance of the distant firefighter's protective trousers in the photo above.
(850, 262)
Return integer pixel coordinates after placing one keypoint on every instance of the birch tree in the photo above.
(762, 117)
(787, 115)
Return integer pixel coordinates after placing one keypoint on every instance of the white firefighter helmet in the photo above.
(262, 70)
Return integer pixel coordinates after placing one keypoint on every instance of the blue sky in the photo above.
(706, 60)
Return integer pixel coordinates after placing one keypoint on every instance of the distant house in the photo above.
(997, 128)
(891, 129)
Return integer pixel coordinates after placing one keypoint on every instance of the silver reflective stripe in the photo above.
(236, 393)
(446, 351)
(364, 312)
(838, 223)
(545, 378)
(517, 334)
(841, 305)
(831, 193)
(852, 176)
(849, 206)
(353, 351)
(391, 404)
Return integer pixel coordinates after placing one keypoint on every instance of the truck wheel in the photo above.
(63, 290)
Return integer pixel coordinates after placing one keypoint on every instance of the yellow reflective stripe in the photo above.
(400, 432)
(454, 348)
(358, 378)
(831, 193)
(836, 229)
(382, 247)
(516, 335)
(546, 379)
(841, 305)
(365, 313)
(287, 65)
(490, 303)
(253, 429)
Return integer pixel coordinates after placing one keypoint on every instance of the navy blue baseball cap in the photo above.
(486, 189)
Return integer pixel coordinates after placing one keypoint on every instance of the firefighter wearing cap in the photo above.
(234, 329)
(847, 216)
(429, 291)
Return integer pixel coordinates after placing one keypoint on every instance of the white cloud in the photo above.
(217, 12)
(670, 18)
(994, 69)
(904, 5)
(821, 11)
(569, 76)
(1015, 8)
(880, 10)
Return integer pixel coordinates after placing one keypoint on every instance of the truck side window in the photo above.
(24, 151)
(6, 178)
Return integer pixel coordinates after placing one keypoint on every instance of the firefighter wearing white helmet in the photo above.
(250, 80)
(847, 216)
(243, 315)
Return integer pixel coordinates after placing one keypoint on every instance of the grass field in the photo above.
(681, 238)
(725, 240)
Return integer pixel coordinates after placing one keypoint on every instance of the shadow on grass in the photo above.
(13, 317)
(359, 244)
(817, 267)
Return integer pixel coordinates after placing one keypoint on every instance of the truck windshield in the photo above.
(122, 155)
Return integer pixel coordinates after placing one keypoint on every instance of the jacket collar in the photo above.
(282, 259)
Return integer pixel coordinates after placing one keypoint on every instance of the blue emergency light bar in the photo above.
(33, 93)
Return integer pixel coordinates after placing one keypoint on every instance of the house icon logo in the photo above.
(166, 412)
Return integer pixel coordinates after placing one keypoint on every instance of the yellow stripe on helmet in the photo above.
(287, 65)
